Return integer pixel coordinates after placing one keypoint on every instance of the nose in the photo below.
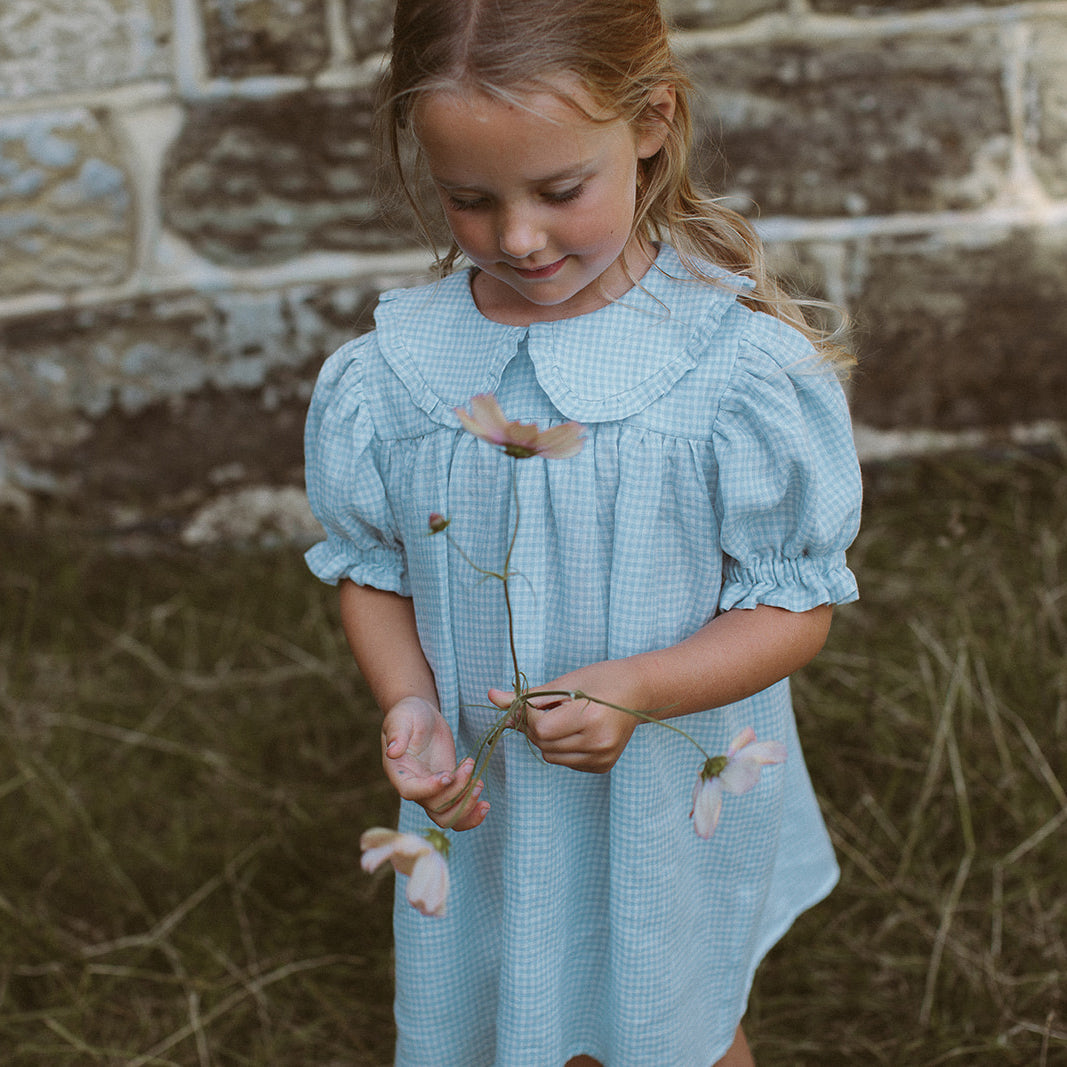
(520, 235)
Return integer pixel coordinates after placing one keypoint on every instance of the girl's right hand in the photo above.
(419, 756)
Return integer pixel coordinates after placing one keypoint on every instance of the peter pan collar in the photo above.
(601, 366)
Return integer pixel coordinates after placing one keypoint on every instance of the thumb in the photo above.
(502, 698)
(396, 735)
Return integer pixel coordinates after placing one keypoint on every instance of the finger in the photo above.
(502, 698)
(453, 786)
(456, 809)
(413, 780)
(475, 817)
(572, 745)
(556, 721)
(452, 815)
(423, 789)
(588, 763)
(396, 736)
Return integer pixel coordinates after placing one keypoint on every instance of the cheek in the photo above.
(609, 222)
(469, 233)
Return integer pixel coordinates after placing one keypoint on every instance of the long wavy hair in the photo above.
(619, 51)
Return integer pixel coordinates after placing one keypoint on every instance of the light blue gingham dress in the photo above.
(719, 472)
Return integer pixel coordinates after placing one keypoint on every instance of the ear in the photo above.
(657, 120)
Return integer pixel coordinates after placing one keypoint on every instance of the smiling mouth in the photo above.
(540, 272)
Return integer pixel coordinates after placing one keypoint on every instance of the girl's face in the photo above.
(539, 197)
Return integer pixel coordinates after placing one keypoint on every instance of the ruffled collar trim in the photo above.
(602, 366)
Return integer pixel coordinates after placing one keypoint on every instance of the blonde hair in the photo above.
(619, 51)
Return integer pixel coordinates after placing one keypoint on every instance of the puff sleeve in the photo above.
(789, 491)
(344, 485)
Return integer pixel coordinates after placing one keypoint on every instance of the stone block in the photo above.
(707, 14)
(964, 337)
(861, 9)
(66, 208)
(148, 399)
(815, 272)
(55, 46)
(255, 515)
(257, 182)
(1048, 97)
(846, 128)
(370, 24)
(245, 38)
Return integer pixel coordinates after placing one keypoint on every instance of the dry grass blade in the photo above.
(1040, 761)
(952, 902)
(228, 678)
(187, 759)
(253, 988)
(165, 927)
(1038, 837)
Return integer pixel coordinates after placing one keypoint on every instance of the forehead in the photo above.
(456, 126)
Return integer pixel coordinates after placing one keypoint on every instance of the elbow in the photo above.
(816, 630)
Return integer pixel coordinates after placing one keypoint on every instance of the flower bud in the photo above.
(437, 522)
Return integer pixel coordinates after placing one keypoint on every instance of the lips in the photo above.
(540, 272)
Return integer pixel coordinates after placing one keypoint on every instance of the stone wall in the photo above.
(189, 223)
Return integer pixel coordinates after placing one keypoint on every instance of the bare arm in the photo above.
(737, 654)
(380, 628)
(418, 750)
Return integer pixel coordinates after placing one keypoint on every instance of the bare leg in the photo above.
(738, 1054)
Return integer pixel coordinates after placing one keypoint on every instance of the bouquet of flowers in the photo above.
(423, 858)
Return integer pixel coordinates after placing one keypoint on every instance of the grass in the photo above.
(187, 758)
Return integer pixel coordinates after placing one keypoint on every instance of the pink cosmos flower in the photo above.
(422, 859)
(736, 772)
(519, 439)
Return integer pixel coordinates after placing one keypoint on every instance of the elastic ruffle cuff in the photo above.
(797, 584)
(331, 561)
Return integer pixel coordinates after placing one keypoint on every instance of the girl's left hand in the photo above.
(582, 734)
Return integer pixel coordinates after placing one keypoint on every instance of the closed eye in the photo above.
(567, 195)
(464, 205)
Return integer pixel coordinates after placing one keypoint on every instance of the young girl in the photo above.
(684, 563)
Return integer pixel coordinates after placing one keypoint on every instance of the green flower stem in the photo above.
(504, 580)
(577, 694)
(470, 563)
(516, 711)
(488, 747)
(502, 577)
(515, 716)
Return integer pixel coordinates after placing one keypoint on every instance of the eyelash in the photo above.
(569, 195)
(552, 198)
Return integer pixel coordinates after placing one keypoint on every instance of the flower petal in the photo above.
(740, 775)
(487, 412)
(745, 737)
(562, 442)
(402, 850)
(742, 771)
(522, 440)
(377, 844)
(377, 836)
(485, 419)
(707, 806)
(373, 858)
(766, 752)
(428, 885)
